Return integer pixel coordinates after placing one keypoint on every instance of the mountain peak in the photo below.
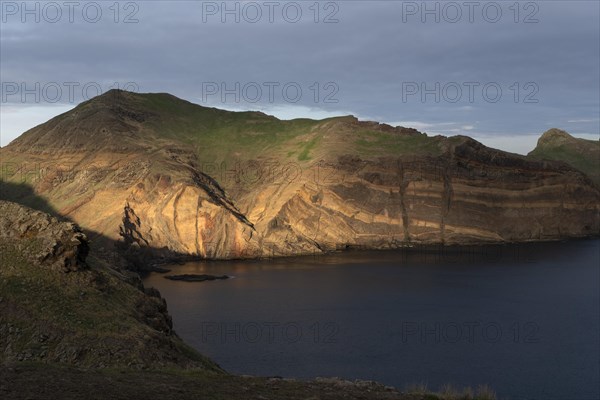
(556, 132)
(555, 136)
(111, 97)
(558, 145)
(105, 121)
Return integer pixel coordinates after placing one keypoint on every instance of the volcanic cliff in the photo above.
(155, 172)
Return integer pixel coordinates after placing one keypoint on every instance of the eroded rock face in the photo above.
(186, 218)
(45, 240)
(358, 184)
(472, 194)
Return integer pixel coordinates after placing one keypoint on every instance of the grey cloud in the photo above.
(369, 54)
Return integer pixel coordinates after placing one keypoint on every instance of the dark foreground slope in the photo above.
(157, 172)
(74, 327)
(32, 382)
(59, 306)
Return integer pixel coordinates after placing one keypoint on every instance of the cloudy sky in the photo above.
(502, 72)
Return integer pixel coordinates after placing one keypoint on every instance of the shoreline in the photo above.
(433, 248)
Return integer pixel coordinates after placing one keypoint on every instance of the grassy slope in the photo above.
(220, 135)
(91, 318)
(580, 153)
(217, 134)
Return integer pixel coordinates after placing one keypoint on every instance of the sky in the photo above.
(502, 72)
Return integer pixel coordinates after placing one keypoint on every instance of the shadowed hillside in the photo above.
(61, 304)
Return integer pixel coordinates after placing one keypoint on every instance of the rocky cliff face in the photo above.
(154, 172)
(470, 194)
(44, 240)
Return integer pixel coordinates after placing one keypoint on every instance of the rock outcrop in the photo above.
(44, 240)
(166, 177)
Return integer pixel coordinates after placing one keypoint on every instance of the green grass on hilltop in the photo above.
(384, 143)
(582, 154)
(219, 135)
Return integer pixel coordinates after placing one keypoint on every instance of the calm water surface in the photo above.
(523, 319)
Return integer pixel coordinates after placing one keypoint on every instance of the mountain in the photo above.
(558, 145)
(164, 176)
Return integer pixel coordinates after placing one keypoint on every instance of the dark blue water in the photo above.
(523, 319)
